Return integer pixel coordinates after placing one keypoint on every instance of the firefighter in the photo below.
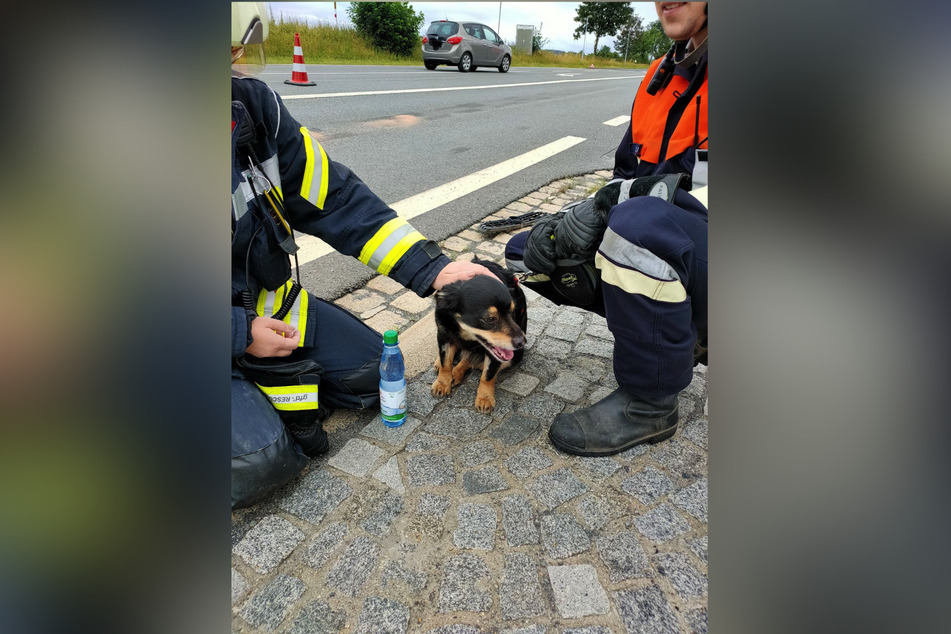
(296, 357)
(636, 251)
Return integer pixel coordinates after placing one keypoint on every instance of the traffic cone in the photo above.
(299, 71)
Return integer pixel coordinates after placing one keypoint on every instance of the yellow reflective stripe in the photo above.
(291, 397)
(269, 302)
(307, 182)
(398, 251)
(302, 316)
(637, 283)
(369, 249)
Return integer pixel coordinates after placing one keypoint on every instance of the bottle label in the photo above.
(393, 405)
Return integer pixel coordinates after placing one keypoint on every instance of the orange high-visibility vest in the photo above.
(650, 113)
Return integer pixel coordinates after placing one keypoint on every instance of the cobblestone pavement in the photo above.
(460, 522)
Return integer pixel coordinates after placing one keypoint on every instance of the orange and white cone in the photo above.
(299, 70)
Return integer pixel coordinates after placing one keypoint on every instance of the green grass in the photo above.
(327, 44)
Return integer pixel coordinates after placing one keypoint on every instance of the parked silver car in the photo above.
(466, 45)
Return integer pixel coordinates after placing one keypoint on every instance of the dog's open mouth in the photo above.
(500, 354)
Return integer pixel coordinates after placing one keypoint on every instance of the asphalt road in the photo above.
(474, 138)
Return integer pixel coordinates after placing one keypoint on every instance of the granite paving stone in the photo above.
(598, 468)
(410, 302)
(596, 347)
(419, 397)
(357, 457)
(570, 316)
(590, 629)
(268, 543)
(478, 453)
(646, 610)
(463, 587)
(518, 521)
(696, 431)
(577, 591)
(382, 616)
(567, 386)
(484, 480)
(354, 567)
(648, 485)
(318, 618)
(623, 556)
(389, 474)
(685, 579)
(563, 536)
(661, 523)
(565, 332)
(457, 628)
(555, 349)
(596, 511)
(693, 499)
(681, 458)
(541, 406)
(519, 383)
(514, 429)
(697, 621)
(527, 461)
(319, 550)
(391, 435)
(317, 494)
(396, 571)
(425, 442)
(239, 587)
(556, 488)
(699, 547)
(270, 606)
(384, 512)
(461, 424)
(476, 527)
(520, 595)
(531, 629)
(430, 470)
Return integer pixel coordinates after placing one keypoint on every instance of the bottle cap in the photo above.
(390, 337)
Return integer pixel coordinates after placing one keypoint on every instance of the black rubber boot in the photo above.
(307, 429)
(615, 423)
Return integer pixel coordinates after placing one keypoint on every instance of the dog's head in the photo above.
(483, 308)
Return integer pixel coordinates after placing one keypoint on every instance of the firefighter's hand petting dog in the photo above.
(459, 271)
(272, 338)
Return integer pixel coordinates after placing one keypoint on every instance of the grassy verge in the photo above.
(327, 44)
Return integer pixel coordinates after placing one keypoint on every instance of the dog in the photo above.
(480, 323)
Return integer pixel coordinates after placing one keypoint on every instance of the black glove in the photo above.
(539, 253)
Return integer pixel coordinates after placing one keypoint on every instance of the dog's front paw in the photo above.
(442, 386)
(485, 400)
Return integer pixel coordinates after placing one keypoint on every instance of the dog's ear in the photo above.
(448, 298)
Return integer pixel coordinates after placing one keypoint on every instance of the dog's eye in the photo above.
(490, 320)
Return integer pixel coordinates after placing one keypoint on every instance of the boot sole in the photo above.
(656, 438)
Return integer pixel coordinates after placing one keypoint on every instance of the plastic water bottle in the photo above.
(392, 382)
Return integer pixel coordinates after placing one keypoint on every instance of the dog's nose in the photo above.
(518, 341)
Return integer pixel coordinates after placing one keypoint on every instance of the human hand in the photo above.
(272, 338)
(458, 271)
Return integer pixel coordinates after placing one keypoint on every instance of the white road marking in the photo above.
(445, 89)
(312, 248)
(616, 121)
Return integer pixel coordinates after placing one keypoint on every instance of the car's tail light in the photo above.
(425, 39)
(455, 39)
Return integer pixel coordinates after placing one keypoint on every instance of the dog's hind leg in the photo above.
(442, 386)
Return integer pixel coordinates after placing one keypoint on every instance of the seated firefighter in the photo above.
(287, 343)
(636, 252)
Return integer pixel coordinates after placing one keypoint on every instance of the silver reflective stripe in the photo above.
(699, 177)
(273, 172)
(634, 257)
(238, 204)
(387, 245)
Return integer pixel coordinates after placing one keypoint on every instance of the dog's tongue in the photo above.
(503, 353)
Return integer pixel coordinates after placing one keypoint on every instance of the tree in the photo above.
(601, 18)
(627, 37)
(538, 42)
(652, 43)
(391, 26)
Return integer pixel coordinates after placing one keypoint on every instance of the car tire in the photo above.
(504, 66)
(465, 64)
(430, 65)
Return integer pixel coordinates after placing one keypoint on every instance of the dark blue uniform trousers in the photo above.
(263, 454)
(653, 290)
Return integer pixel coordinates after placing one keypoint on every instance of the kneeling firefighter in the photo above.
(636, 251)
(295, 356)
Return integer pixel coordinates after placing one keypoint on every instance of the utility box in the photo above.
(523, 37)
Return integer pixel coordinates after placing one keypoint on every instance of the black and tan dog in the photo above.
(480, 323)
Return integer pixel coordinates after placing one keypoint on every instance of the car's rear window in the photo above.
(443, 29)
